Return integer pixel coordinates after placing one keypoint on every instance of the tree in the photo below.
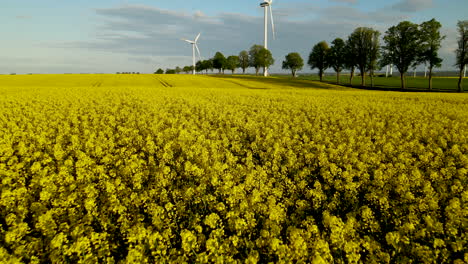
(203, 65)
(402, 47)
(232, 63)
(188, 69)
(431, 43)
(170, 71)
(318, 58)
(462, 51)
(294, 62)
(374, 55)
(199, 66)
(219, 61)
(350, 61)
(243, 60)
(178, 70)
(362, 43)
(253, 57)
(208, 65)
(337, 57)
(265, 59)
(159, 71)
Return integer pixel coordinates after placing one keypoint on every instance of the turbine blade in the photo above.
(272, 23)
(199, 54)
(189, 41)
(196, 39)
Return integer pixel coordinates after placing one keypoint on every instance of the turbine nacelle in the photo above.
(266, 3)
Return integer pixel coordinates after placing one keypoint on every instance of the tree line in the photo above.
(257, 57)
(405, 46)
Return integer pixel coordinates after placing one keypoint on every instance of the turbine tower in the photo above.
(267, 6)
(194, 46)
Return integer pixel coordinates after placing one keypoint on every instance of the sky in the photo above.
(108, 36)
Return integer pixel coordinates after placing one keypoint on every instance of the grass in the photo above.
(440, 84)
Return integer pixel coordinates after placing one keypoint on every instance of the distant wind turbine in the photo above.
(267, 5)
(194, 46)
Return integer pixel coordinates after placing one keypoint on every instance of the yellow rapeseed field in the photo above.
(201, 169)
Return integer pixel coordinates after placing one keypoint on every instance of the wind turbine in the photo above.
(194, 46)
(267, 5)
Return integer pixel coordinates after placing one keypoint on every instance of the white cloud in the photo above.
(23, 17)
(143, 38)
(346, 1)
(412, 6)
(157, 32)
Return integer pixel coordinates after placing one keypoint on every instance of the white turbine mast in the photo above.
(194, 46)
(267, 6)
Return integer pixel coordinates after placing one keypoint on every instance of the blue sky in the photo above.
(57, 36)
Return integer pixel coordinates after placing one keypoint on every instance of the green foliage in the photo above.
(207, 65)
(462, 50)
(204, 65)
(337, 56)
(364, 45)
(188, 69)
(402, 47)
(264, 59)
(431, 43)
(219, 61)
(199, 66)
(232, 63)
(170, 71)
(294, 62)
(159, 71)
(318, 58)
(254, 57)
(244, 60)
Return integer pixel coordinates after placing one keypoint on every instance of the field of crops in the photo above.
(175, 169)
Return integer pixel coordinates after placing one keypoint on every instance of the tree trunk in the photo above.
(460, 81)
(372, 78)
(293, 73)
(321, 74)
(351, 77)
(403, 84)
(256, 71)
(430, 78)
(243, 70)
(337, 77)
